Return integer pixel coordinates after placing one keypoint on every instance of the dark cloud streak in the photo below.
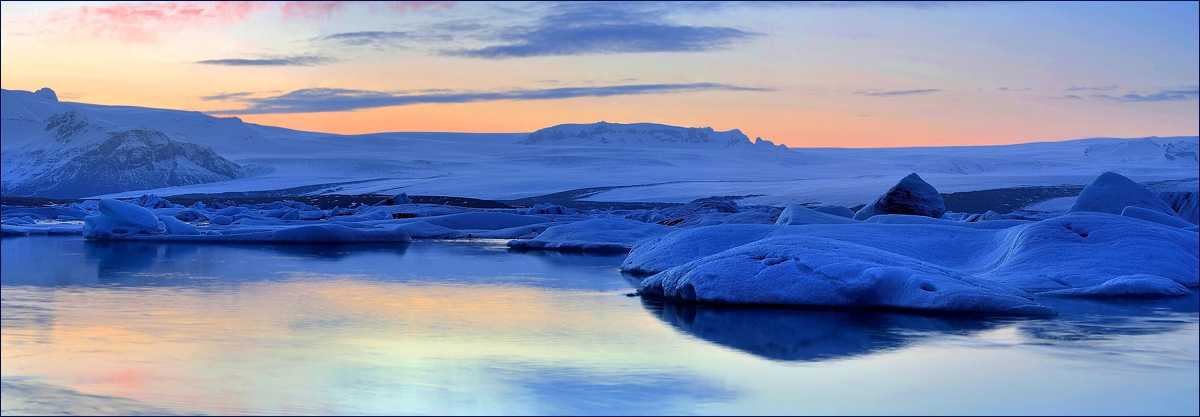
(897, 93)
(317, 100)
(291, 61)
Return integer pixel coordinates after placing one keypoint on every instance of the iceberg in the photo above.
(1112, 192)
(912, 195)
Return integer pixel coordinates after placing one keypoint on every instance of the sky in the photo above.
(805, 74)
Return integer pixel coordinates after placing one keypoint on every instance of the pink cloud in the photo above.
(143, 22)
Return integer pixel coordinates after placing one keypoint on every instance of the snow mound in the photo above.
(117, 218)
(1112, 192)
(1185, 203)
(796, 214)
(605, 235)
(813, 271)
(912, 195)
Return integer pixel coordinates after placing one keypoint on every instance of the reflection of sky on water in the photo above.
(469, 328)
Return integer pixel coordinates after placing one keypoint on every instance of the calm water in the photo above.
(470, 328)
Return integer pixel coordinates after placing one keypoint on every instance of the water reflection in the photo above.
(810, 334)
(469, 328)
(70, 261)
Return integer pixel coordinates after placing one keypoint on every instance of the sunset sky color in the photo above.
(808, 74)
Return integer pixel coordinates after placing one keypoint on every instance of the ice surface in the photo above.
(912, 195)
(655, 163)
(1139, 285)
(605, 235)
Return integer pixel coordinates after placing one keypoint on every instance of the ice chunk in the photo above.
(605, 235)
(1112, 192)
(912, 195)
(397, 199)
(796, 214)
(232, 211)
(1155, 216)
(221, 220)
(176, 227)
(119, 218)
(183, 214)
(152, 201)
(548, 208)
(836, 211)
(811, 271)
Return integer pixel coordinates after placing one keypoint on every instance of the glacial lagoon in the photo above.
(469, 327)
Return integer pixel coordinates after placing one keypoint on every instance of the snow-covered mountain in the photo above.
(53, 148)
(645, 135)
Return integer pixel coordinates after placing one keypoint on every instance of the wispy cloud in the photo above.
(227, 96)
(1164, 95)
(1100, 88)
(603, 28)
(316, 100)
(290, 61)
(609, 39)
(376, 38)
(897, 92)
(143, 22)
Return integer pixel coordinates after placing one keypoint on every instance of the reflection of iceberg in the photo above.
(1091, 320)
(810, 334)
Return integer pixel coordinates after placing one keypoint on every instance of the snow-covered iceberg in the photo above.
(814, 271)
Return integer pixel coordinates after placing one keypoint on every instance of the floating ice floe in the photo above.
(1081, 252)
(118, 220)
(605, 235)
(815, 271)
